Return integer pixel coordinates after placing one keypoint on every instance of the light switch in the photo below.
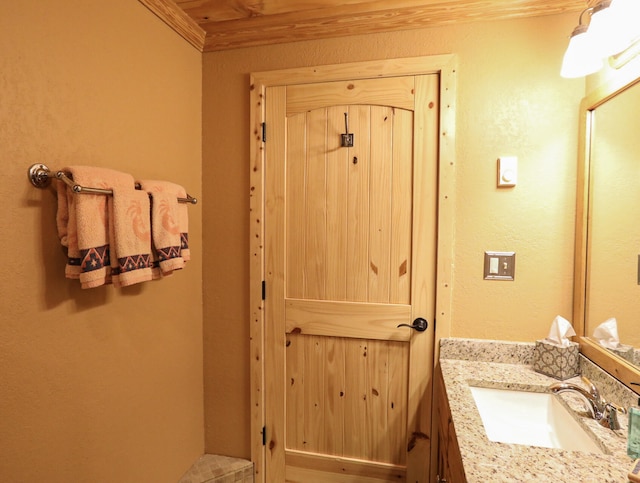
(494, 265)
(507, 171)
(499, 265)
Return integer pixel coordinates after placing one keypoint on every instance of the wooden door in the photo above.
(350, 237)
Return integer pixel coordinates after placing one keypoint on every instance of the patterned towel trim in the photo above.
(93, 259)
(131, 263)
(168, 253)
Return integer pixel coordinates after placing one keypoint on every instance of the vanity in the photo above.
(606, 284)
(465, 452)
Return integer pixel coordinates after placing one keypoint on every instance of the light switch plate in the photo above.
(499, 265)
(507, 171)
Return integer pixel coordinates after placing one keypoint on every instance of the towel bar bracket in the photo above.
(40, 176)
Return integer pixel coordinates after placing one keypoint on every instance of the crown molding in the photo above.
(178, 20)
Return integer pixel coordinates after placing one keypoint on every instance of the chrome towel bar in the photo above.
(40, 176)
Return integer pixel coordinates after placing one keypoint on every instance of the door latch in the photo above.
(419, 324)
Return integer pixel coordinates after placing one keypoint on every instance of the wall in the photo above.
(511, 101)
(105, 384)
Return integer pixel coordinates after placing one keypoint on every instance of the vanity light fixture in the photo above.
(605, 31)
(579, 59)
(613, 26)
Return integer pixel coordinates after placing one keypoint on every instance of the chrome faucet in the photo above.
(604, 412)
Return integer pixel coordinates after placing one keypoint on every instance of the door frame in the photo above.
(445, 66)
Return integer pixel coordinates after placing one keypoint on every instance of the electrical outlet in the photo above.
(499, 265)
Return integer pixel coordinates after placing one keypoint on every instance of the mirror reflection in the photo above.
(613, 236)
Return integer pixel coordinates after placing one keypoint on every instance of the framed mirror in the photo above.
(607, 251)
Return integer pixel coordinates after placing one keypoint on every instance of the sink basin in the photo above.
(530, 418)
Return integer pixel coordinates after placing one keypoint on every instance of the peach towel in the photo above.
(130, 235)
(83, 224)
(169, 224)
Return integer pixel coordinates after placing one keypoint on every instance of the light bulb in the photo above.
(614, 25)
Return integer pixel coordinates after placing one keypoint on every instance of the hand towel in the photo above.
(183, 221)
(86, 229)
(130, 236)
(169, 241)
(67, 230)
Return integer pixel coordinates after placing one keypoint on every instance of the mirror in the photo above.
(607, 264)
(613, 230)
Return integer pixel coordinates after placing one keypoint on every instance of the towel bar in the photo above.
(40, 176)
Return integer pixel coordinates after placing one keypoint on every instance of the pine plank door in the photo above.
(350, 254)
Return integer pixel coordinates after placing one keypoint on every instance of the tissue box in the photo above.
(556, 361)
(626, 352)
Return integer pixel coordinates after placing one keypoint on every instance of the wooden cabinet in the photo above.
(449, 463)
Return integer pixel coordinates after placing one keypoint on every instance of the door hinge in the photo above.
(264, 290)
(264, 132)
(264, 435)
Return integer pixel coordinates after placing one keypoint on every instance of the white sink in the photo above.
(530, 418)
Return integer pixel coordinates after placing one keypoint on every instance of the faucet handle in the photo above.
(615, 408)
(610, 417)
(593, 390)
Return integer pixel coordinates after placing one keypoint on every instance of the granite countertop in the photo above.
(468, 362)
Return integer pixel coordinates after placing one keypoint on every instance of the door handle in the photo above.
(419, 324)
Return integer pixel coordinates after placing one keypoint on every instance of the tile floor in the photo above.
(219, 469)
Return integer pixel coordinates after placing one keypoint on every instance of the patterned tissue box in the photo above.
(556, 361)
(625, 351)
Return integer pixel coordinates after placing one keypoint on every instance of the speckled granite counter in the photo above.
(470, 362)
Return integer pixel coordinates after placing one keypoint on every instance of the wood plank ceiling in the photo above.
(212, 25)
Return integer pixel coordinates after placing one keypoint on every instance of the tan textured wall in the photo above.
(511, 101)
(100, 385)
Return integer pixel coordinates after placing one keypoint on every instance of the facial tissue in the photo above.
(557, 356)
